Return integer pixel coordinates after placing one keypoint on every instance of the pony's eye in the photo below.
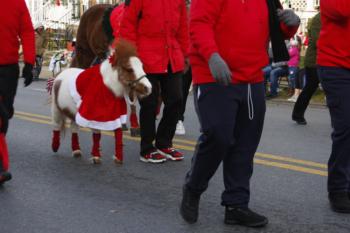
(129, 70)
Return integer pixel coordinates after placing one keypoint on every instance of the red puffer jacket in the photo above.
(238, 31)
(15, 22)
(333, 44)
(159, 28)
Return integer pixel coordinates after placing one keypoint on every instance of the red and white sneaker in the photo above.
(172, 154)
(153, 157)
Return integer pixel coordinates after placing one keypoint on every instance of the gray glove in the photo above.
(219, 69)
(288, 17)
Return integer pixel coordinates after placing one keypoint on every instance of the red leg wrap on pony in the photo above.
(96, 137)
(118, 136)
(55, 140)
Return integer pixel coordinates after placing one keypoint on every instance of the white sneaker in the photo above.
(293, 99)
(180, 128)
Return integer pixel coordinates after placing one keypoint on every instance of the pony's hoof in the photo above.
(96, 160)
(118, 161)
(125, 127)
(77, 153)
(55, 147)
(135, 132)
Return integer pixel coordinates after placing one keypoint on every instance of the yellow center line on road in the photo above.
(264, 159)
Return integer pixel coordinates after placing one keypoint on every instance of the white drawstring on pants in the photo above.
(250, 103)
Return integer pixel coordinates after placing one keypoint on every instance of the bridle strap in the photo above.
(132, 83)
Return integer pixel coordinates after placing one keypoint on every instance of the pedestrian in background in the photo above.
(186, 85)
(159, 29)
(311, 76)
(333, 60)
(15, 24)
(41, 42)
(229, 41)
(293, 67)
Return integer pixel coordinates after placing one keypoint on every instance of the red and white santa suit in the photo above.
(98, 107)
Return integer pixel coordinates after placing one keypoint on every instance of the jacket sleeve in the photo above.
(183, 35)
(335, 9)
(129, 22)
(204, 14)
(26, 34)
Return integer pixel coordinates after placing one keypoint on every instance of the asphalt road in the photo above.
(57, 193)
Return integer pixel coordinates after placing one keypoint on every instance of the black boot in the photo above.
(244, 217)
(5, 176)
(189, 206)
(299, 120)
(340, 202)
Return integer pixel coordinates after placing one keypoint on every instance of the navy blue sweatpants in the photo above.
(231, 119)
(336, 84)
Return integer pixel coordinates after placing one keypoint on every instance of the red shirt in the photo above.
(16, 24)
(238, 31)
(159, 29)
(334, 41)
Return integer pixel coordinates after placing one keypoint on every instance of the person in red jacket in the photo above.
(15, 24)
(229, 41)
(333, 59)
(159, 29)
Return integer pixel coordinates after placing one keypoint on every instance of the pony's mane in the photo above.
(123, 51)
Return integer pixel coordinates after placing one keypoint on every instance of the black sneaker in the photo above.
(299, 120)
(340, 202)
(5, 176)
(189, 206)
(244, 216)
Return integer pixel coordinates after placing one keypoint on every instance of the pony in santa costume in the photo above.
(94, 98)
(98, 28)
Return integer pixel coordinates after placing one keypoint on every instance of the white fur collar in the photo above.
(110, 78)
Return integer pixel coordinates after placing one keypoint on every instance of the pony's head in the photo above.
(130, 72)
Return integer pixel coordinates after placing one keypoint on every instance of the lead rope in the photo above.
(250, 103)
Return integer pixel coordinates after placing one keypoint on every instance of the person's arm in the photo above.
(26, 34)
(183, 35)
(335, 9)
(204, 14)
(129, 22)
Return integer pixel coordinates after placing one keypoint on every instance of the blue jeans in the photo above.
(336, 84)
(275, 74)
(293, 72)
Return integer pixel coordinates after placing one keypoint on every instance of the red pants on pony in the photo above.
(4, 157)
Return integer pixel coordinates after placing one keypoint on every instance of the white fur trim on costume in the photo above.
(108, 125)
(110, 78)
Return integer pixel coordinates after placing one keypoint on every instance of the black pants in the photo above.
(311, 86)
(231, 127)
(186, 84)
(336, 84)
(170, 87)
(9, 75)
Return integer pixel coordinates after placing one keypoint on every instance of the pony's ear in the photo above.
(124, 50)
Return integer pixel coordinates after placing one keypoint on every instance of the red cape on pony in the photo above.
(98, 107)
